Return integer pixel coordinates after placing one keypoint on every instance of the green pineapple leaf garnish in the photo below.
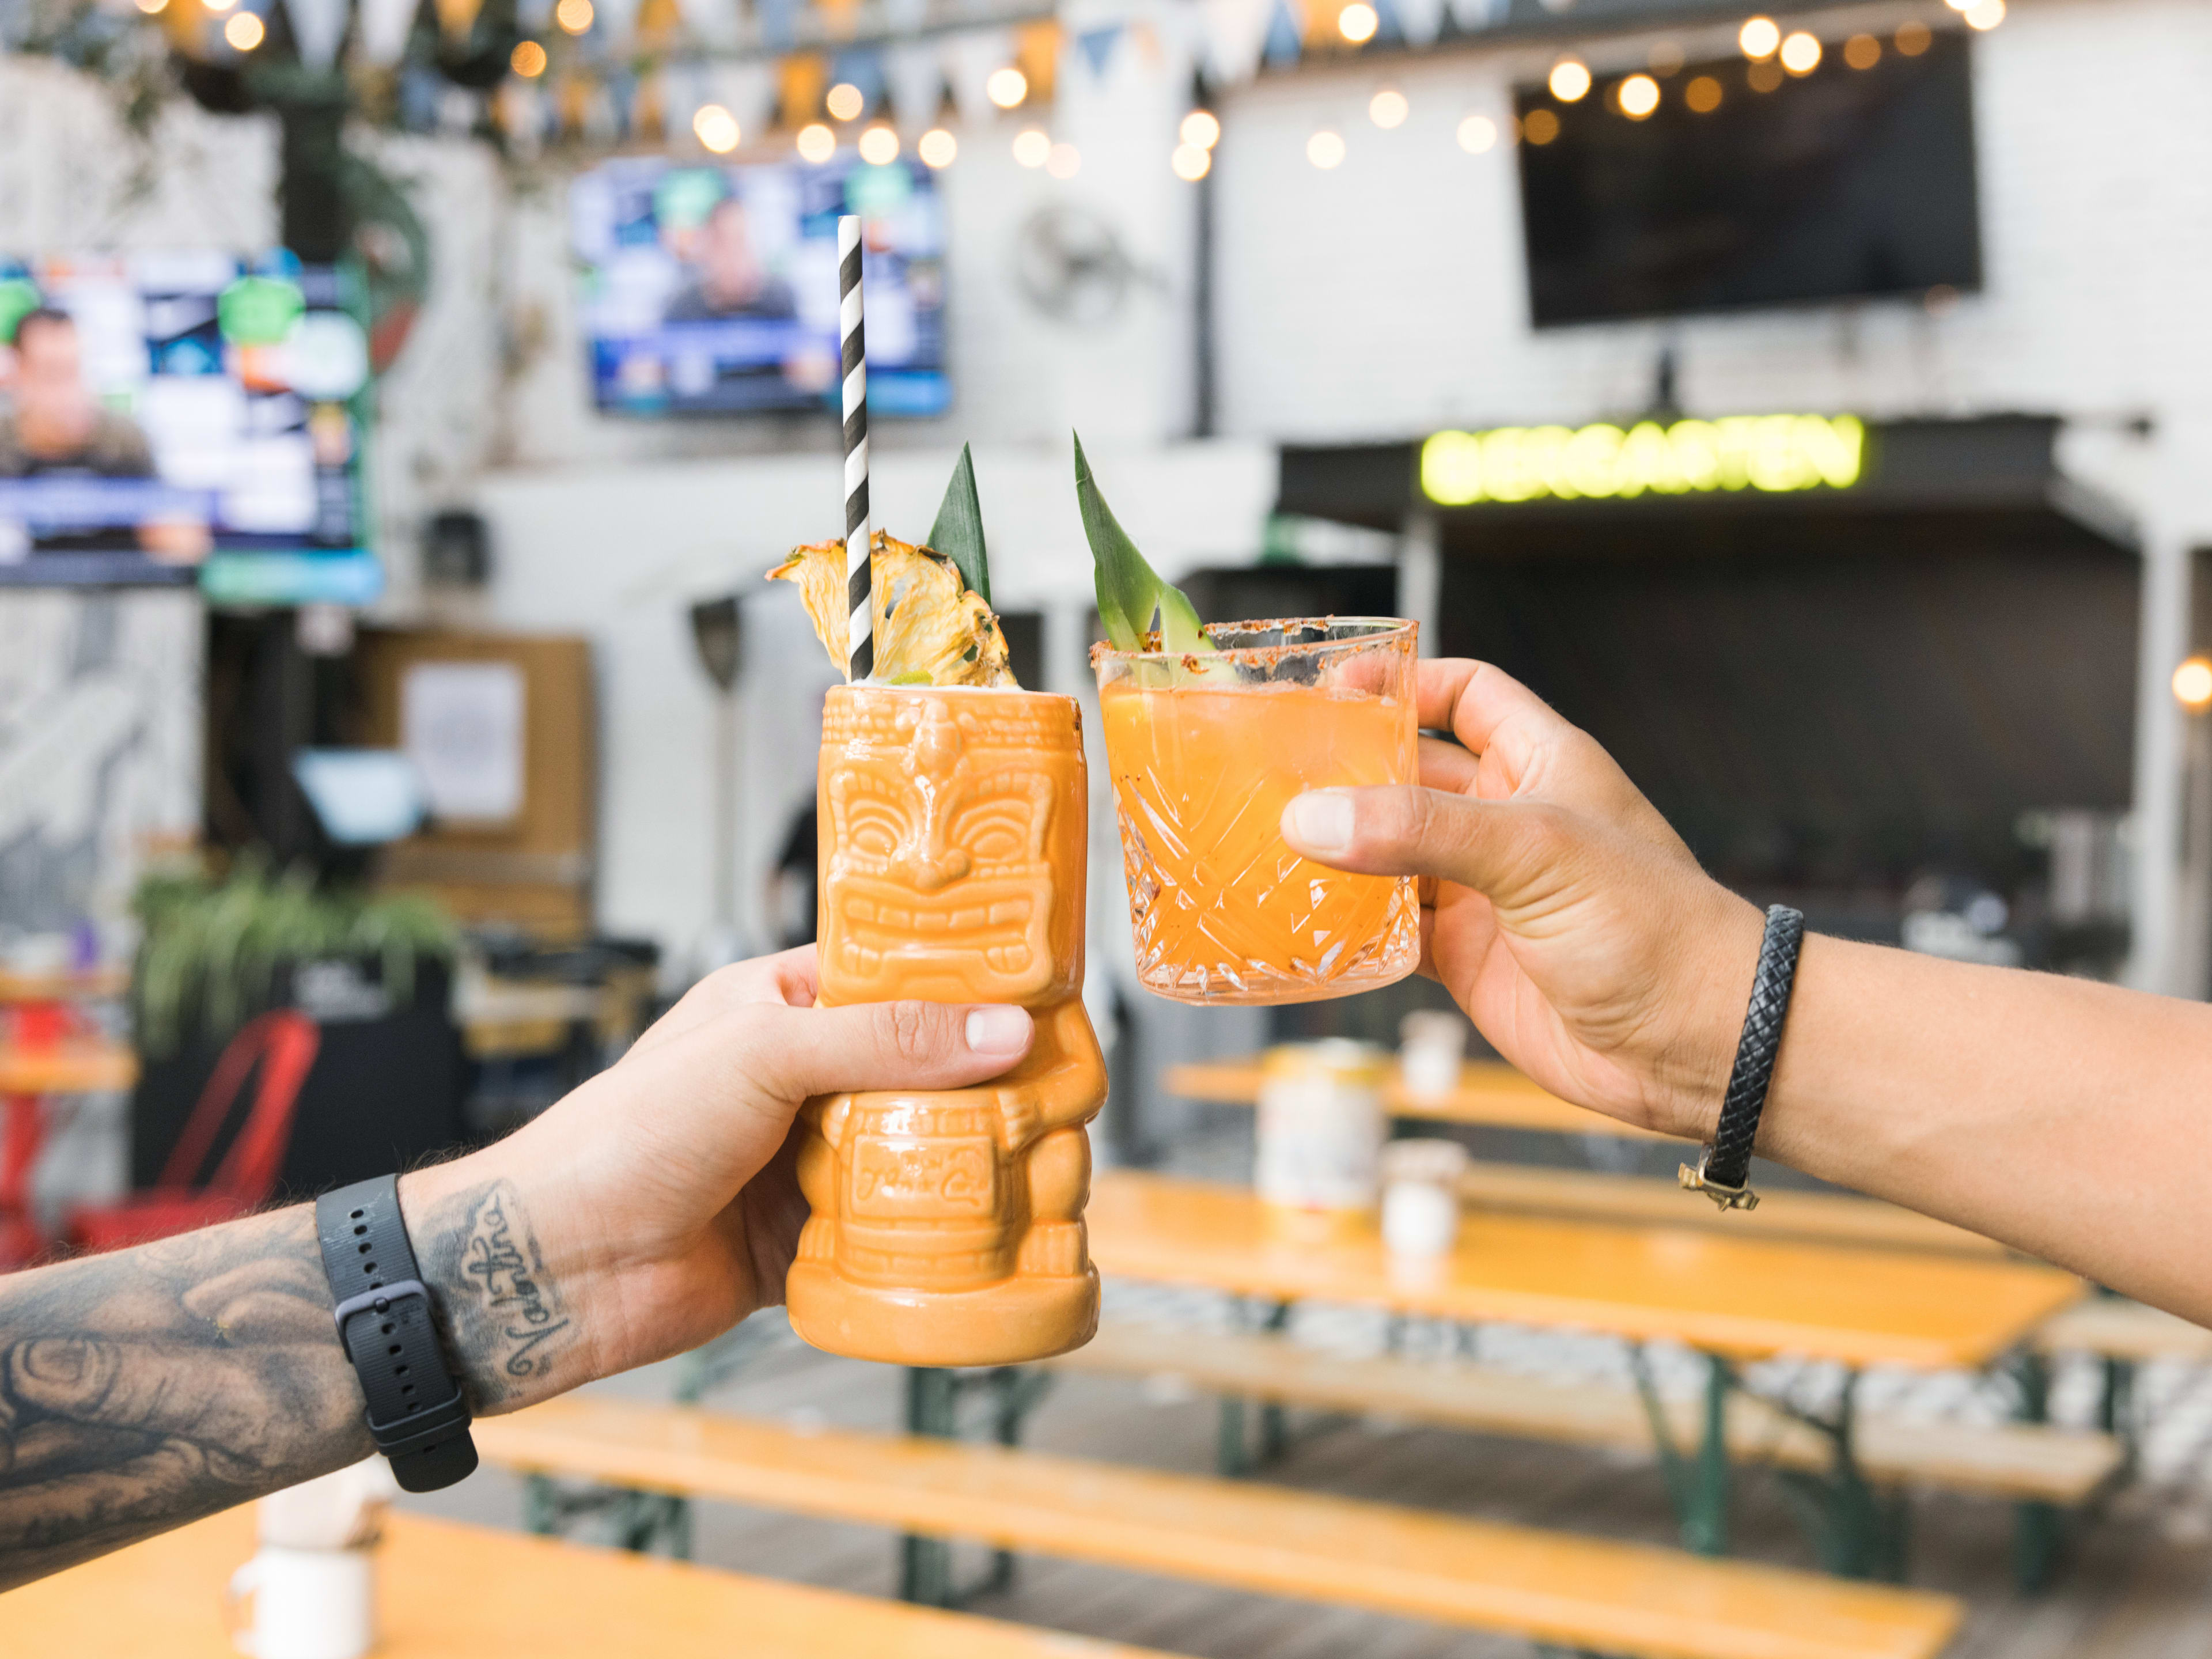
(1130, 591)
(958, 531)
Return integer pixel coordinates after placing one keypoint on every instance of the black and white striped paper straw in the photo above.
(860, 637)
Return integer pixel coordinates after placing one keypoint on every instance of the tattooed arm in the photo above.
(652, 1208)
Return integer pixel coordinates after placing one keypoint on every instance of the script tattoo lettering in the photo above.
(507, 1324)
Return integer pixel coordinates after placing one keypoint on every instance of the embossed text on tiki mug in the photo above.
(947, 1224)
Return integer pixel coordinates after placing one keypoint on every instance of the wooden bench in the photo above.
(2020, 1461)
(450, 1591)
(2114, 1327)
(1575, 1592)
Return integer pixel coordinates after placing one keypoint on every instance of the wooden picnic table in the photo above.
(1742, 1297)
(450, 1591)
(1734, 1299)
(74, 1065)
(1491, 1094)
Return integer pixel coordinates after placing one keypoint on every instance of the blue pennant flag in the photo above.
(1283, 42)
(1098, 46)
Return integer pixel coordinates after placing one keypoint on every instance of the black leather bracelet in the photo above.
(416, 1415)
(1723, 1167)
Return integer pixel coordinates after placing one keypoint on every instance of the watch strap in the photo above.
(416, 1414)
(1724, 1167)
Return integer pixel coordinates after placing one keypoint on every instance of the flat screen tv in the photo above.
(1840, 183)
(713, 290)
(173, 417)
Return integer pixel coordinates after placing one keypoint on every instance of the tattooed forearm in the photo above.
(507, 1325)
(149, 1387)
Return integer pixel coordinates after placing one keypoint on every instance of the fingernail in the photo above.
(999, 1030)
(55, 1359)
(1321, 820)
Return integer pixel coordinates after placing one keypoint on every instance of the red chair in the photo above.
(284, 1044)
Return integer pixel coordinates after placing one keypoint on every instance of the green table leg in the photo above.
(2036, 1528)
(925, 1564)
(1706, 1528)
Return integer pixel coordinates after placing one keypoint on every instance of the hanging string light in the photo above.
(816, 143)
(1388, 108)
(1007, 87)
(1191, 162)
(1570, 80)
(1759, 37)
(845, 102)
(1325, 150)
(716, 128)
(1032, 147)
(1200, 129)
(1477, 133)
(938, 148)
(1800, 53)
(1357, 22)
(879, 145)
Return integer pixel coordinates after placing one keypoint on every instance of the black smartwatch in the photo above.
(416, 1415)
(1724, 1167)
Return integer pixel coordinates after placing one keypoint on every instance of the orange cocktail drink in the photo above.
(1205, 752)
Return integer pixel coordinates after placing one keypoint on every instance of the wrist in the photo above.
(1720, 962)
(513, 1299)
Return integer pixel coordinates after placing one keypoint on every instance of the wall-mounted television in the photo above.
(1746, 185)
(182, 416)
(713, 290)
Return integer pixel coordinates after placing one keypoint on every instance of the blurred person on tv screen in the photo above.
(57, 428)
(728, 278)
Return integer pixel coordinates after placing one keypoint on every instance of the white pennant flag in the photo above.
(913, 73)
(318, 27)
(1419, 20)
(1236, 31)
(619, 16)
(905, 16)
(1472, 14)
(972, 59)
(714, 22)
(747, 90)
(385, 26)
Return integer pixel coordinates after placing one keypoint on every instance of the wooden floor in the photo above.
(2139, 1585)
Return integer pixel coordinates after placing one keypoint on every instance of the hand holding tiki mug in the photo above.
(947, 1225)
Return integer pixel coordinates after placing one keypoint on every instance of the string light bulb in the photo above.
(152, 8)
(1570, 80)
(1800, 53)
(1639, 96)
(244, 32)
(845, 102)
(714, 127)
(1325, 150)
(1759, 37)
(816, 143)
(1032, 147)
(1388, 108)
(938, 148)
(1007, 87)
(1357, 22)
(1477, 133)
(1191, 162)
(528, 59)
(1200, 129)
(573, 16)
(1985, 13)
(879, 145)
(1703, 94)
(2192, 683)
(1863, 51)
(1062, 160)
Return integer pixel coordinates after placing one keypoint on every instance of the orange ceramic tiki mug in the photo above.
(948, 1224)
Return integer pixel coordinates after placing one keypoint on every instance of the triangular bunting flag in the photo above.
(862, 67)
(1234, 32)
(974, 58)
(906, 17)
(914, 74)
(1285, 39)
(802, 79)
(1473, 15)
(747, 90)
(713, 22)
(775, 23)
(1036, 52)
(385, 26)
(1419, 20)
(317, 29)
(1097, 48)
(619, 19)
(457, 17)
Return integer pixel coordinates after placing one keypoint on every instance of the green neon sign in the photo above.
(1775, 453)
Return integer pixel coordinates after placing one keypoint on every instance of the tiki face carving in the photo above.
(947, 815)
(947, 1224)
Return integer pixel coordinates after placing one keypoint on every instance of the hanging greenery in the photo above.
(211, 949)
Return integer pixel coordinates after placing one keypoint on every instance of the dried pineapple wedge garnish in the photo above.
(930, 629)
